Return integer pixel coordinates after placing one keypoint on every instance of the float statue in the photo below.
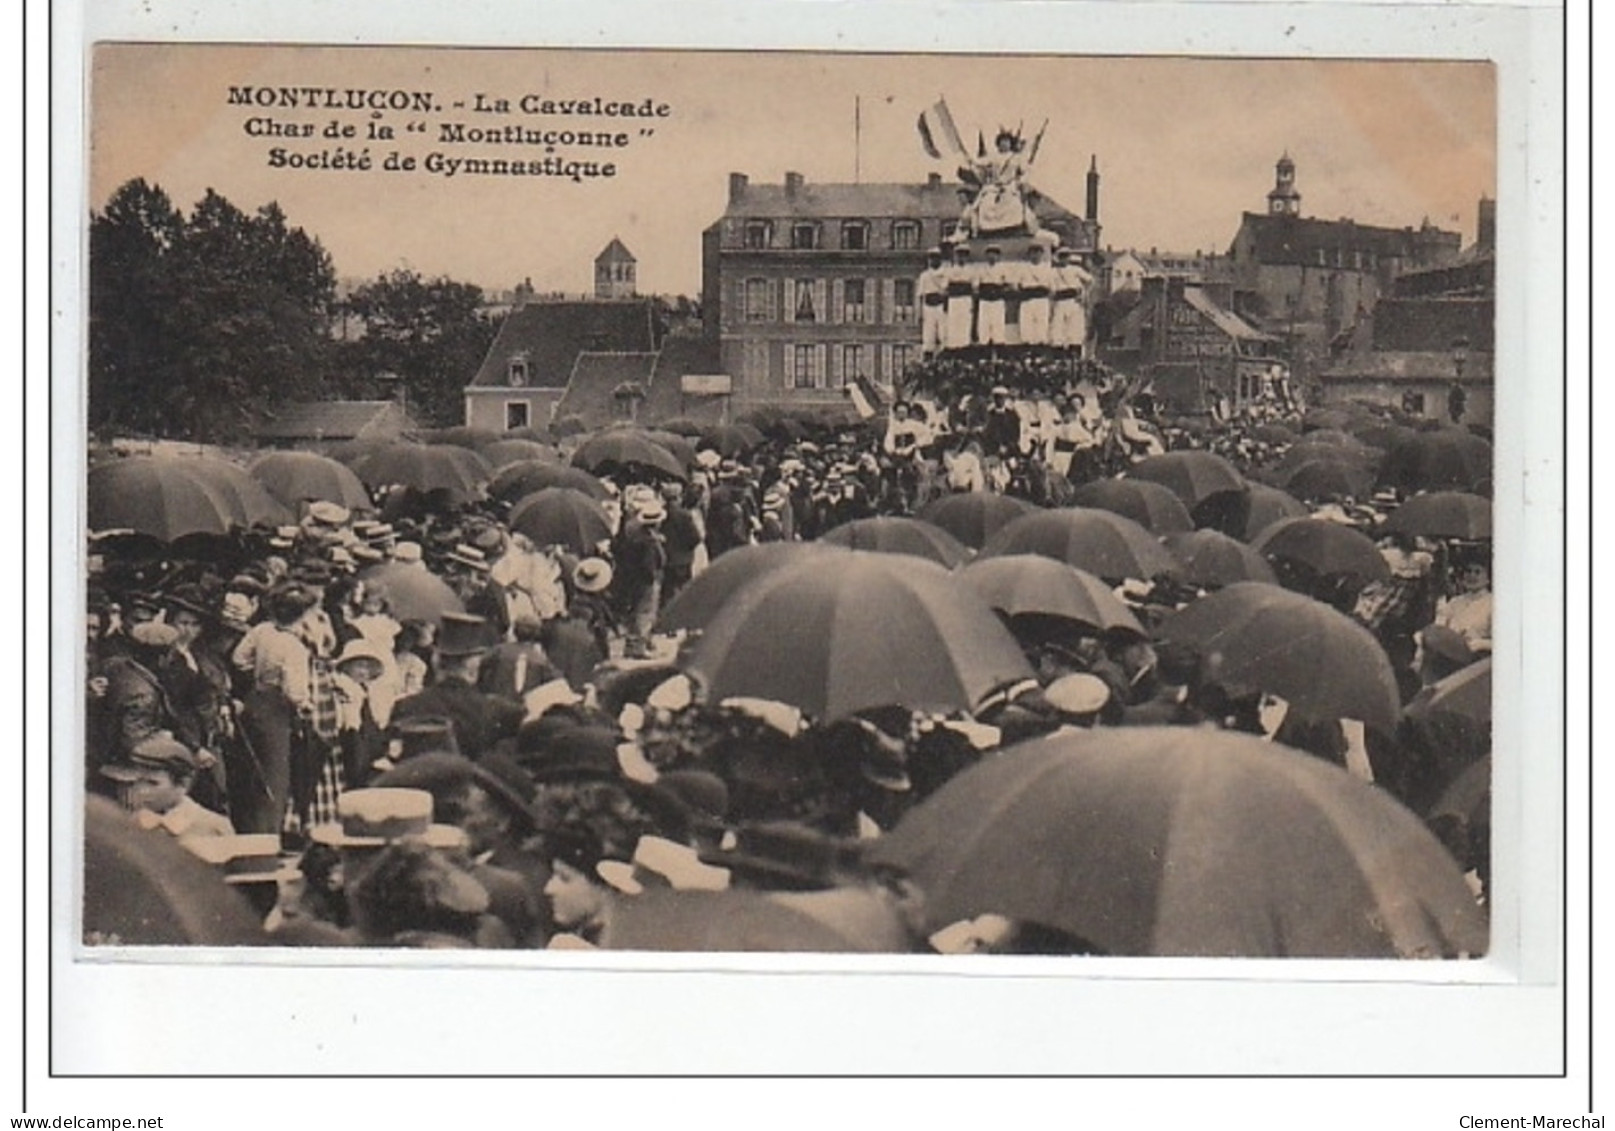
(999, 197)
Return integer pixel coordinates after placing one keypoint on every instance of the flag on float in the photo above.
(865, 397)
(937, 131)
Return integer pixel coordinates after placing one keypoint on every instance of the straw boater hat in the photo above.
(327, 513)
(592, 575)
(1079, 694)
(245, 858)
(469, 556)
(707, 459)
(650, 512)
(375, 818)
(407, 552)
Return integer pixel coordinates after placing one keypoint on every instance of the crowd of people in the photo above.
(520, 768)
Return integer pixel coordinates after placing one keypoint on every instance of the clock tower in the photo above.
(1284, 200)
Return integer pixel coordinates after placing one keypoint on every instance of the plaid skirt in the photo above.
(329, 782)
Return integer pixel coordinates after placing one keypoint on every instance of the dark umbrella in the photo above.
(842, 921)
(731, 440)
(457, 472)
(1382, 434)
(413, 592)
(699, 601)
(1269, 639)
(503, 452)
(1152, 505)
(1032, 585)
(1322, 418)
(626, 450)
(562, 516)
(253, 506)
(888, 535)
(974, 516)
(877, 630)
(515, 480)
(683, 426)
(160, 496)
(1211, 559)
(1335, 438)
(1171, 841)
(1307, 451)
(682, 448)
(1323, 547)
(569, 425)
(1324, 479)
(1104, 544)
(1267, 506)
(142, 889)
(1274, 434)
(1448, 459)
(1444, 514)
(1447, 727)
(1193, 476)
(298, 477)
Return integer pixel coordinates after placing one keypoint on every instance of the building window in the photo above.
(803, 309)
(852, 363)
(754, 363)
(759, 233)
(516, 414)
(852, 300)
(807, 367)
(902, 300)
(906, 235)
(855, 235)
(902, 355)
(804, 236)
(517, 371)
(757, 300)
(1413, 403)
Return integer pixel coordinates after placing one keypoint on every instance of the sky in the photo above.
(1183, 145)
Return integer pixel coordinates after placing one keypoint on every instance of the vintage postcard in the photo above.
(591, 509)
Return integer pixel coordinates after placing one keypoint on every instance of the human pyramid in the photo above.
(966, 302)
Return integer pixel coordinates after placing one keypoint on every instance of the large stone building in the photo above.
(1309, 280)
(807, 285)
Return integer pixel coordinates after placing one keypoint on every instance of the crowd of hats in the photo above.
(633, 776)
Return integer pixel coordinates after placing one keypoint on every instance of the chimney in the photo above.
(1092, 212)
(737, 186)
(1486, 226)
(934, 180)
(793, 185)
(1174, 287)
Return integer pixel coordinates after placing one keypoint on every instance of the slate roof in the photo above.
(595, 378)
(1297, 239)
(615, 252)
(864, 201)
(335, 420)
(1225, 320)
(553, 334)
(665, 400)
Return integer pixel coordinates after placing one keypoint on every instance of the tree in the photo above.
(430, 333)
(200, 323)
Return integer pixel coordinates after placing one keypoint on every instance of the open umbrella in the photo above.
(1449, 459)
(516, 480)
(142, 889)
(1175, 841)
(1329, 418)
(731, 440)
(457, 472)
(298, 477)
(848, 920)
(1326, 665)
(413, 592)
(1153, 506)
(253, 506)
(877, 630)
(701, 598)
(684, 426)
(1273, 433)
(1104, 544)
(1211, 559)
(503, 452)
(1324, 478)
(1193, 476)
(627, 450)
(973, 516)
(562, 516)
(1032, 585)
(1307, 450)
(1323, 547)
(1443, 514)
(569, 425)
(1267, 506)
(1382, 434)
(160, 496)
(891, 535)
(1446, 727)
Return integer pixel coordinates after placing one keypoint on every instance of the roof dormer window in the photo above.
(854, 235)
(517, 372)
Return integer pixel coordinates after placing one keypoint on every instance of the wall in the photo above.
(485, 408)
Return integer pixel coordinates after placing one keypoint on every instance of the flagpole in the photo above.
(857, 138)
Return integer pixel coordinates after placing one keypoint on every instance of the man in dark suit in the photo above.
(480, 720)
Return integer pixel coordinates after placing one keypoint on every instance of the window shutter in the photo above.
(838, 297)
(821, 299)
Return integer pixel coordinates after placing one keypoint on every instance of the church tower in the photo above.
(1284, 200)
(614, 272)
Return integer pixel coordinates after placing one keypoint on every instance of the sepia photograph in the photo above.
(787, 502)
